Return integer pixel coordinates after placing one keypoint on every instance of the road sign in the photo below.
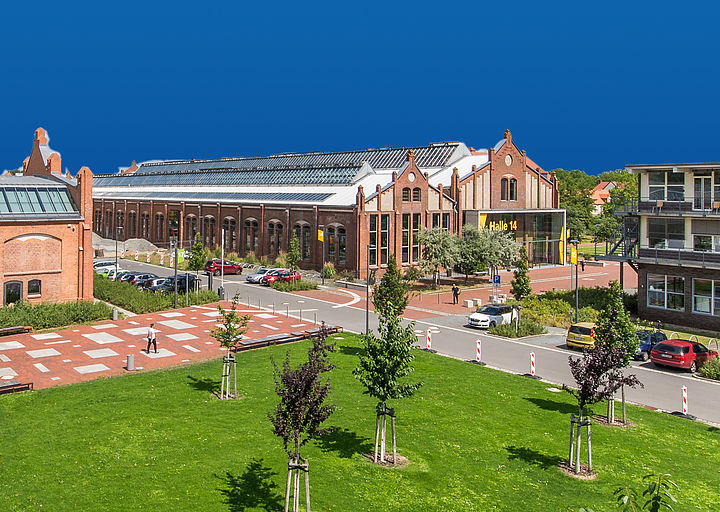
(496, 279)
(573, 255)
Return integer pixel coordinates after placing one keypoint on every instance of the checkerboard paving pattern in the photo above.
(85, 352)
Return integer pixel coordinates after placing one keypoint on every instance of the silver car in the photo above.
(490, 315)
(255, 277)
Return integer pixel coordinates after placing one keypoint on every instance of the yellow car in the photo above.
(581, 335)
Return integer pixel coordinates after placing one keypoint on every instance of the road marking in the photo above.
(355, 299)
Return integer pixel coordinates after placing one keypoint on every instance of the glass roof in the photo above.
(219, 196)
(35, 200)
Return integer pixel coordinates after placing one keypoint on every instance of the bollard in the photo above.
(438, 297)
(478, 355)
(314, 318)
(273, 308)
(287, 311)
(429, 340)
(684, 401)
(532, 364)
(115, 314)
(130, 365)
(301, 313)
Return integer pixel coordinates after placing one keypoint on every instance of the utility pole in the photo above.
(367, 289)
(173, 247)
(574, 259)
(117, 233)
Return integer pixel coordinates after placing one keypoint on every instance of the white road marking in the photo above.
(355, 299)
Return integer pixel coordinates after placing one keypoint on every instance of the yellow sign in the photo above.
(502, 225)
(573, 255)
(321, 235)
(568, 233)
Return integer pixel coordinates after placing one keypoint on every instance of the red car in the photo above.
(689, 355)
(228, 267)
(280, 275)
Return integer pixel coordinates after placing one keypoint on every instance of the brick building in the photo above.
(46, 250)
(371, 202)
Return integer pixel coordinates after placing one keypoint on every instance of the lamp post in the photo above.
(367, 290)
(173, 247)
(577, 300)
(117, 234)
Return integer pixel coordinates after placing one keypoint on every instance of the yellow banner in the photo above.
(321, 235)
(573, 255)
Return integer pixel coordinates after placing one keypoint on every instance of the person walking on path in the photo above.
(455, 293)
(151, 339)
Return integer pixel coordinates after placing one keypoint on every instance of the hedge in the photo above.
(527, 328)
(295, 286)
(50, 315)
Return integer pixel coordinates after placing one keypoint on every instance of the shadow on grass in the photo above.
(205, 384)
(713, 429)
(349, 351)
(552, 405)
(254, 489)
(533, 457)
(344, 442)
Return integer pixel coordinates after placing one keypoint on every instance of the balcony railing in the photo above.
(680, 256)
(636, 205)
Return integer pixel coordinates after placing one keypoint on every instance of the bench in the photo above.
(19, 329)
(14, 386)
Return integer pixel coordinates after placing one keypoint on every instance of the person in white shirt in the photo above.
(151, 339)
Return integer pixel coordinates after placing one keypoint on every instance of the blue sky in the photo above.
(581, 85)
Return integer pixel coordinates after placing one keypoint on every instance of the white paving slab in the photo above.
(101, 338)
(101, 352)
(177, 324)
(41, 367)
(265, 316)
(183, 336)
(163, 352)
(91, 368)
(185, 361)
(191, 348)
(133, 322)
(212, 313)
(9, 345)
(67, 360)
(77, 346)
(61, 342)
(4, 358)
(138, 331)
(104, 326)
(271, 327)
(7, 372)
(172, 314)
(54, 378)
(298, 325)
(43, 352)
(209, 343)
(46, 336)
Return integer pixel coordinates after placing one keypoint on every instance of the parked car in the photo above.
(228, 267)
(280, 276)
(103, 263)
(103, 270)
(581, 335)
(168, 285)
(150, 283)
(256, 276)
(648, 339)
(113, 273)
(490, 315)
(127, 277)
(140, 278)
(689, 355)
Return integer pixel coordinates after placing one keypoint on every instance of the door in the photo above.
(703, 193)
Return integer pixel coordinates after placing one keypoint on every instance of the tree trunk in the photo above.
(382, 436)
(624, 410)
(578, 437)
(377, 436)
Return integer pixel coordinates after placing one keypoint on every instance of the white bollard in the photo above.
(136, 255)
(172, 260)
(122, 253)
(429, 340)
(162, 259)
(532, 363)
(478, 354)
(147, 258)
(684, 400)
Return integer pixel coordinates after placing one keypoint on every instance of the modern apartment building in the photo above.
(671, 236)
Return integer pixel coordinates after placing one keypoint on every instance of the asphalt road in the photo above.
(663, 388)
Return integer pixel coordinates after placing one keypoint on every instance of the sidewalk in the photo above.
(86, 352)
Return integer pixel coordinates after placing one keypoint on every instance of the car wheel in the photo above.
(644, 356)
(217, 273)
(693, 367)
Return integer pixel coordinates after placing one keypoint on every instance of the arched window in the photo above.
(416, 194)
(341, 242)
(405, 195)
(503, 189)
(229, 225)
(208, 231)
(145, 225)
(275, 230)
(98, 221)
(132, 224)
(159, 227)
(513, 190)
(108, 224)
(331, 242)
(303, 234)
(34, 288)
(13, 292)
(191, 227)
(251, 236)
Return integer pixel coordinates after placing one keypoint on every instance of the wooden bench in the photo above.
(14, 386)
(19, 329)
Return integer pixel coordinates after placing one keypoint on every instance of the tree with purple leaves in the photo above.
(302, 410)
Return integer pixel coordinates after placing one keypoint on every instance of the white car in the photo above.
(490, 315)
(256, 276)
(99, 264)
(106, 269)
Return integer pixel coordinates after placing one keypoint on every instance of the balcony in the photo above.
(700, 207)
(683, 257)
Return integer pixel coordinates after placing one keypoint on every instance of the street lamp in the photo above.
(173, 249)
(367, 289)
(577, 300)
(117, 234)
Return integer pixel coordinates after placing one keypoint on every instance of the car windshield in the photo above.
(671, 349)
(643, 336)
(489, 310)
(579, 329)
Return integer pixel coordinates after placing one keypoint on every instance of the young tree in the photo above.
(521, 284)
(229, 334)
(392, 289)
(471, 257)
(658, 495)
(196, 261)
(574, 188)
(302, 410)
(615, 329)
(440, 248)
(384, 362)
(292, 257)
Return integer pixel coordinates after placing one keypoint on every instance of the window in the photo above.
(416, 194)
(274, 238)
(173, 224)
(666, 186)
(503, 189)
(435, 220)
(706, 296)
(302, 232)
(251, 236)
(667, 292)
(330, 241)
(13, 292)
(415, 237)
(342, 246)
(405, 246)
(384, 238)
(666, 233)
(159, 227)
(34, 287)
(208, 231)
(373, 241)
(191, 227)
(229, 225)
(513, 190)
(405, 195)
(446, 221)
(132, 224)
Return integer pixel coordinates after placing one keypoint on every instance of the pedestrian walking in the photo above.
(151, 339)
(455, 293)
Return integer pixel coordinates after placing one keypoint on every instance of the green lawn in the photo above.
(478, 440)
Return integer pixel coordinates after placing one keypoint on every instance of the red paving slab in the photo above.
(86, 352)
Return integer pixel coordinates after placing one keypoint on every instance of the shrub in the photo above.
(281, 260)
(233, 256)
(251, 258)
(345, 275)
(527, 328)
(328, 271)
(296, 286)
(50, 315)
(412, 274)
(127, 296)
(711, 369)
